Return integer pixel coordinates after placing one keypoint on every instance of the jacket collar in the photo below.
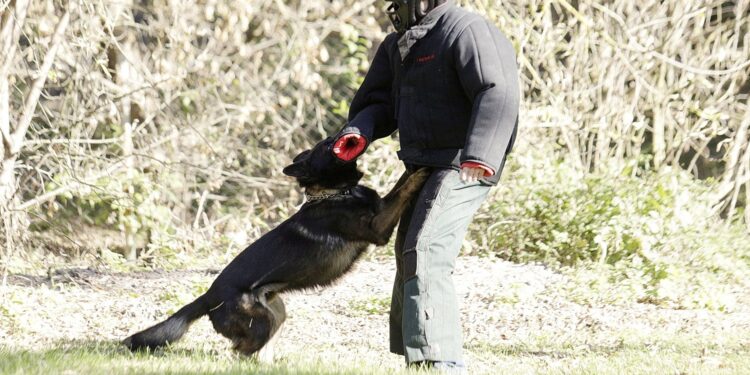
(418, 31)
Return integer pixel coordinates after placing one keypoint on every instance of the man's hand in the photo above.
(470, 174)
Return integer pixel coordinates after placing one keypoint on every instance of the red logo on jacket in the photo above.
(424, 59)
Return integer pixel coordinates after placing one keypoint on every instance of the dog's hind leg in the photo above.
(266, 354)
(268, 296)
(260, 313)
(276, 306)
(264, 293)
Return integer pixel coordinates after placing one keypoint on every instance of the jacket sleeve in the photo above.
(371, 110)
(486, 66)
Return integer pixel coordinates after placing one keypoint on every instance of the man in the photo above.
(447, 81)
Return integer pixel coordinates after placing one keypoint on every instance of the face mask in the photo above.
(406, 13)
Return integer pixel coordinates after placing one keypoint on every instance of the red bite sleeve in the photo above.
(349, 146)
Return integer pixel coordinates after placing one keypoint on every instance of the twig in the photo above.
(12, 23)
(36, 88)
(201, 205)
(70, 141)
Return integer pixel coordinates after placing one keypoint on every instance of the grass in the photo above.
(370, 306)
(631, 353)
(110, 358)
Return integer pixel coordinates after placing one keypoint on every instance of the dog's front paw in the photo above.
(417, 179)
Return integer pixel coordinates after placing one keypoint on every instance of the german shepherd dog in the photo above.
(314, 247)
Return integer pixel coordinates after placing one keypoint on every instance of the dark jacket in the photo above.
(454, 97)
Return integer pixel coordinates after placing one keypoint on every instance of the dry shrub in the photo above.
(192, 107)
(203, 103)
(618, 80)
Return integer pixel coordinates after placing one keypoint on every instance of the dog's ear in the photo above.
(299, 165)
(297, 169)
(302, 156)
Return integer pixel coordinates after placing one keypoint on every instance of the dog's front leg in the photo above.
(394, 203)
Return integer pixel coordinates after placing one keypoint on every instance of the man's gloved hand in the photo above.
(348, 147)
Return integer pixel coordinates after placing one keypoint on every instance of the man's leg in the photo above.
(397, 297)
(431, 329)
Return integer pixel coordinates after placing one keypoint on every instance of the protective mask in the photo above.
(406, 13)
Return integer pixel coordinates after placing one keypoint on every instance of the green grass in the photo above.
(370, 306)
(630, 353)
(111, 359)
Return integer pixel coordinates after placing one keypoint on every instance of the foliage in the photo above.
(617, 80)
(652, 234)
(129, 204)
(191, 111)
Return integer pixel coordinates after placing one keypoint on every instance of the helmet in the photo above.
(406, 13)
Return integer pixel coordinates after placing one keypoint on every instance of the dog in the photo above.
(313, 248)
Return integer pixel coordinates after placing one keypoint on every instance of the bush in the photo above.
(654, 233)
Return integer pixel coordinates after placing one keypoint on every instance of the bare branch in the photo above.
(12, 23)
(36, 88)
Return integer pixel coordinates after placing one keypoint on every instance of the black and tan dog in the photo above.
(314, 247)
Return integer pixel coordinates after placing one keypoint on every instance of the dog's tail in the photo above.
(170, 330)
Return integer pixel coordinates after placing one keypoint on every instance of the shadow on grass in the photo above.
(86, 276)
(521, 350)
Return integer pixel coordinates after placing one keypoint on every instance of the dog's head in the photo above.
(318, 168)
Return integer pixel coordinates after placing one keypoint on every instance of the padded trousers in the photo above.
(424, 318)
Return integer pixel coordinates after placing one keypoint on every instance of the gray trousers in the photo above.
(424, 317)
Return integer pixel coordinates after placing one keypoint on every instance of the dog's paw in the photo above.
(418, 178)
(265, 355)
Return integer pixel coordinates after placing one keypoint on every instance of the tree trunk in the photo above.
(8, 217)
(7, 182)
(8, 163)
(7, 172)
(127, 149)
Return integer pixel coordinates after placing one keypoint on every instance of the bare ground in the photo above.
(515, 307)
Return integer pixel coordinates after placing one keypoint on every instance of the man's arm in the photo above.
(371, 110)
(486, 65)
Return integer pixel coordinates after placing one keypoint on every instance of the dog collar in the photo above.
(327, 194)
